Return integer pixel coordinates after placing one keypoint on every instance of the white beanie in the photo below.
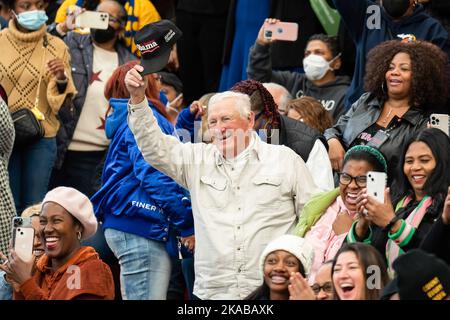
(297, 246)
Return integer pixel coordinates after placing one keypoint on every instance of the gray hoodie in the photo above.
(331, 95)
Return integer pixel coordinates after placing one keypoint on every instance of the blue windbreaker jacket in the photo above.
(135, 197)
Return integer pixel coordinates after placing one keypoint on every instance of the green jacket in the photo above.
(313, 210)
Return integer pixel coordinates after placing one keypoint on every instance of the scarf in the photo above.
(393, 250)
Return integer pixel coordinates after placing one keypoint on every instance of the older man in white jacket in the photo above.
(244, 191)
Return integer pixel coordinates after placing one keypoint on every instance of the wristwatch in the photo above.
(388, 227)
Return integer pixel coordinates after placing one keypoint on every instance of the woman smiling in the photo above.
(404, 82)
(67, 270)
(420, 216)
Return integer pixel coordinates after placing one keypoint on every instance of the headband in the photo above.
(374, 152)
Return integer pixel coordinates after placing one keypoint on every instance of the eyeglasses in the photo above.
(346, 179)
(115, 19)
(327, 287)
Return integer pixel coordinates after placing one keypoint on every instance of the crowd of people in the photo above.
(169, 156)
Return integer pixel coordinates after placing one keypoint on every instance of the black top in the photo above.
(367, 135)
(299, 137)
(431, 235)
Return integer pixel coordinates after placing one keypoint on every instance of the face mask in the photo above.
(396, 8)
(31, 20)
(102, 36)
(316, 66)
(169, 104)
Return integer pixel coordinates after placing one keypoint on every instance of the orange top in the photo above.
(84, 276)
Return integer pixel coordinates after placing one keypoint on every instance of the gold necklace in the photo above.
(387, 116)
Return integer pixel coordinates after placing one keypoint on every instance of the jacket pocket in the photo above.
(266, 190)
(213, 192)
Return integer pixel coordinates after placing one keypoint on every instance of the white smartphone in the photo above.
(23, 238)
(440, 121)
(93, 20)
(376, 183)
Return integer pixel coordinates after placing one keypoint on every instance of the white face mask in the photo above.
(316, 66)
(169, 104)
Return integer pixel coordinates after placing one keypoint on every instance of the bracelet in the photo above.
(58, 29)
(352, 236)
(62, 81)
(388, 227)
(399, 231)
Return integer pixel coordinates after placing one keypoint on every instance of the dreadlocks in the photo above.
(260, 100)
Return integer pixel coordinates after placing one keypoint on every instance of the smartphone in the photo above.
(23, 238)
(376, 183)
(440, 121)
(93, 20)
(284, 31)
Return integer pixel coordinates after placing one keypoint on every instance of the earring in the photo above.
(382, 88)
(79, 235)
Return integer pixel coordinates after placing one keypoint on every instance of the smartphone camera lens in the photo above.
(280, 30)
(18, 222)
(268, 34)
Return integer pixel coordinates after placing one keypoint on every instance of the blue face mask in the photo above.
(32, 20)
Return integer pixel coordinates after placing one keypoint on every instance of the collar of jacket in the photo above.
(255, 151)
(83, 254)
(413, 115)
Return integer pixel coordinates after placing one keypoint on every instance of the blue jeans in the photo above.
(144, 265)
(187, 265)
(29, 170)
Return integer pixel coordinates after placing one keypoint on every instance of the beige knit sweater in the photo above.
(20, 67)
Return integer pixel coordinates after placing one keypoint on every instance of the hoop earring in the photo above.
(382, 88)
(79, 235)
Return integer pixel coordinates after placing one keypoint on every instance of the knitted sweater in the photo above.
(23, 59)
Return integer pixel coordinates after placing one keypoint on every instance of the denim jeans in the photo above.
(187, 265)
(144, 265)
(29, 170)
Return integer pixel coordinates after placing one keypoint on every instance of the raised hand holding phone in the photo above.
(261, 39)
(379, 213)
(282, 31)
(376, 183)
(92, 19)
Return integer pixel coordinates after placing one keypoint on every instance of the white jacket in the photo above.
(234, 219)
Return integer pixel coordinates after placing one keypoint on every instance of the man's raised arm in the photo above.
(165, 153)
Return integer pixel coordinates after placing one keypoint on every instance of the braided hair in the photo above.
(260, 99)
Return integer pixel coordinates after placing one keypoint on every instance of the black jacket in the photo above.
(432, 235)
(363, 114)
(299, 137)
(214, 8)
(82, 55)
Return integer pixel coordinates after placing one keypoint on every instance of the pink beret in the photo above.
(78, 205)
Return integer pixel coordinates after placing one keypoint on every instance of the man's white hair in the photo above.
(241, 102)
(285, 95)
